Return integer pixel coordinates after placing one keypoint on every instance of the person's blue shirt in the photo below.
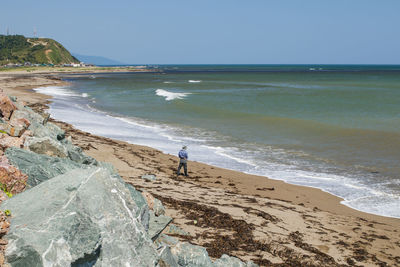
(183, 154)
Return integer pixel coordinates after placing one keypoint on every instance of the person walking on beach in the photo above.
(183, 156)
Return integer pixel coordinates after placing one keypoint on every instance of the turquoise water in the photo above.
(332, 127)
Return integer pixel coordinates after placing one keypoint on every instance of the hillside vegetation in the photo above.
(19, 49)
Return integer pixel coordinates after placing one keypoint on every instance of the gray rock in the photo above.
(190, 255)
(13, 98)
(27, 113)
(48, 130)
(76, 154)
(157, 224)
(38, 167)
(143, 212)
(172, 229)
(158, 207)
(46, 146)
(166, 240)
(167, 259)
(82, 218)
(226, 260)
(150, 177)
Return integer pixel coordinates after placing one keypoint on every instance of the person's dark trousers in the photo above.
(184, 164)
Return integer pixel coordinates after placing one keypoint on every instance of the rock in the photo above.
(11, 130)
(166, 240)
(49, 130)
(82, 218)
(157, 224)
(46, 146)
(3, 197)
(154, 204)
(17, 120)
(76, 154)
(27, 113)
(38, 167)
(13, 98)
(7, 107)
(149, 177)
(158, 207)
(7, 141)
(143, 213)
(12, 180)
(167, 259)
(226, 260)
(60, 136)
(172, 229)
(190, 255)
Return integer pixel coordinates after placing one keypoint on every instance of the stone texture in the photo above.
(166, 240)
(27, 113)
(12, 130)
(6, 106)
(157, 224)
(76, 154)
(7, 141)
(46, 146)
(167, 259)
(11, 179)
(143, 212)
(190, 255)
(154, 204)
(82, 218)
(15, 120)
(226, 260)
(38, 167)
(172, 229)
(49, 130)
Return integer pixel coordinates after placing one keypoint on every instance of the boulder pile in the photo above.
(60, 207)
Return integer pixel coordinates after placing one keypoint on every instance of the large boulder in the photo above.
(12, 180)
(7, 141)
(38, 167)
(76, 154)
(7, 107)
(82, 218)
(27, 113)
(46, 146)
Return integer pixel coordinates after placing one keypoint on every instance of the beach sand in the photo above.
(268, 221)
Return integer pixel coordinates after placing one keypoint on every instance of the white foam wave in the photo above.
(170, 95)
(194, 81)
(168, 82)
(85, 95)
(56, 91)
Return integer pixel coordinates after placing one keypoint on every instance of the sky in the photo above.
(216, 31)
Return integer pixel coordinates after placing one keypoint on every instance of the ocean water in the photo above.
(331, 127)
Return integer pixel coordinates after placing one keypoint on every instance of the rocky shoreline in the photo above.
(218, 211)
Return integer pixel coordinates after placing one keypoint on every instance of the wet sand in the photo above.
(251, 217)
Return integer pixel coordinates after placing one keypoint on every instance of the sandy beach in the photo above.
(252, 217)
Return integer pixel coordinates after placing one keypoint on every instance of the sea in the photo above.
(333, 127)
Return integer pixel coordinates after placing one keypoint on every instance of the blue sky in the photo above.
(216, 31)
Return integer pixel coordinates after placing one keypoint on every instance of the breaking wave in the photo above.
(170, 95)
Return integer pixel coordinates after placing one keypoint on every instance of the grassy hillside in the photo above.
(19, 49)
